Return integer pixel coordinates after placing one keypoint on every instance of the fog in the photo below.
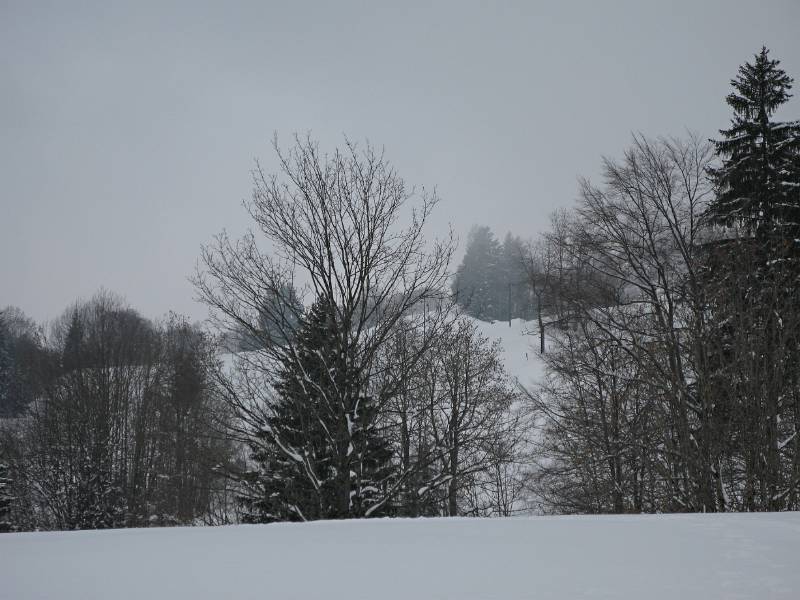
(127, 134)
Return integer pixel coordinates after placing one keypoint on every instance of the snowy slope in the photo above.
(520, 345)
(519, 342)
(632, 557)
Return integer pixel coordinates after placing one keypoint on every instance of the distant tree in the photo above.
(515, 277)
(491, 281)
(478, 283)
(23, 362)
(540, 264)
(278, 319)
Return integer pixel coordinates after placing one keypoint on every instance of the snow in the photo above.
(519, 343)
(520, 348)
(624, 557)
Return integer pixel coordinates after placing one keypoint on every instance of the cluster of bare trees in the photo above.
(664, 392)
(394, 367)
(455, 427)
(682, 393)
(356, 390)
(121, 431)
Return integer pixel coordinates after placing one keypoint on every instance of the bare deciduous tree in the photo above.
(346, 230)
(540, 264)
(641, 232)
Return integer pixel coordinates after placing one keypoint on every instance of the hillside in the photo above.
(630, 557)
(520, 347)
(519, 342)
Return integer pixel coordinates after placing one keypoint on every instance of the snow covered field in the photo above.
(755, 556)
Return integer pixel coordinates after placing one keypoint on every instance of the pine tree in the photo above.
(479, 283)
(752, 286)
(759, 180)
(315, 442)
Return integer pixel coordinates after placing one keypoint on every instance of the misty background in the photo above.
(127, 133)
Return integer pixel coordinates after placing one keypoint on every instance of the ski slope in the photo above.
(704, 557)
(520, 348)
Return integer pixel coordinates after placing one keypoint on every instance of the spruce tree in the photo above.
(754, 278)
(759, 180)
(479, 285)
(293, 451)
(316, 446)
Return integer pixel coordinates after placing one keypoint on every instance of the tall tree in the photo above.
(469, 408)
(515, 277)
(638, 238)
(334, 222)
(759, 180)
(540, 264)
(478, 283)
(753, 278)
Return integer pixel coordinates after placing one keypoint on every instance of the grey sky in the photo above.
(127, 131)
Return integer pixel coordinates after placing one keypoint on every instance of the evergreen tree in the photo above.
(752, 279)
(277, 319)
(72, 354)
(514, 278)
(759, 180)
(23, 362)
(315, 442)
(478, 284)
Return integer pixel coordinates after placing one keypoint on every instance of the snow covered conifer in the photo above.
(319, 454)
(759, 180)
(752, 280)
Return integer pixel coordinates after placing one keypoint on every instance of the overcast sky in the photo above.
(128, 131)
